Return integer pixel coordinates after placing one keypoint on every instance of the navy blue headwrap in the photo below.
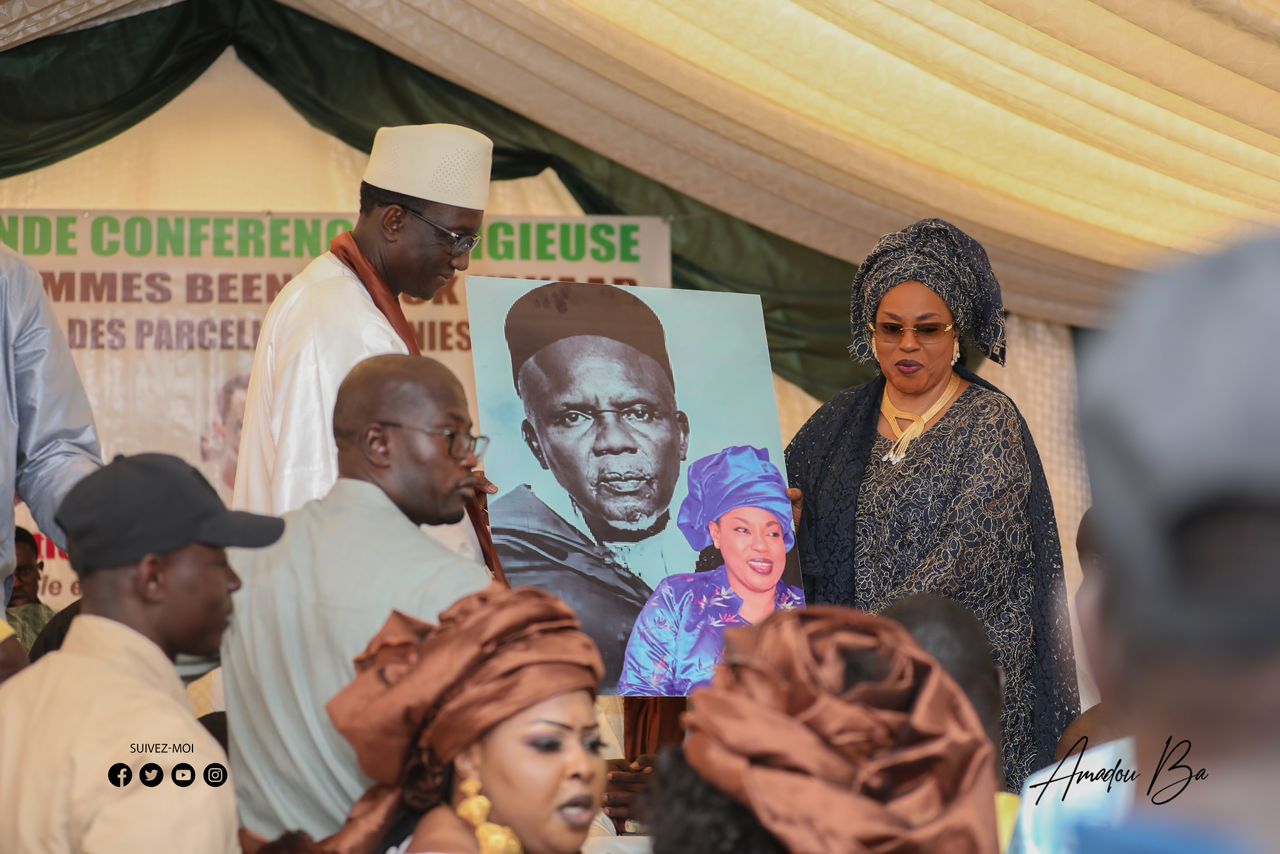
(741, 476)
(951, 263)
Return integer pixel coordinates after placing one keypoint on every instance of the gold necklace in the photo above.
(905, 437)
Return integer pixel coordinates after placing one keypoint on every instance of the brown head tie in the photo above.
(424, 693)
(896, 762)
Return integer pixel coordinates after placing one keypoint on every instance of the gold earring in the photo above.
(874, 354)
(474, 810)
(955, 354)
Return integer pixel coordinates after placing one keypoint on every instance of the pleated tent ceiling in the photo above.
(76, 89)
(1080, 141)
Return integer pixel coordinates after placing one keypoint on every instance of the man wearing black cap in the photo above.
(590, 363)
(121, 763)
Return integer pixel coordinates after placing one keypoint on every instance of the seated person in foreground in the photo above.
(311, 602)
(1096, 740)
(738, 506)
(826, 729)
(26, 613)
(955, 637)
(1099, 723)
(147, 537)
(479, 733)
(1184, 463)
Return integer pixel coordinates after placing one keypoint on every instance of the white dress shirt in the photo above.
(318, 328)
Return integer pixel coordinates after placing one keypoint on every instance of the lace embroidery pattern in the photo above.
(966, 515)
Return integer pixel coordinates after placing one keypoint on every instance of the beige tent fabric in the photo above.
(282, 163)
(24, 20)
(795, 405)
(1077, 140)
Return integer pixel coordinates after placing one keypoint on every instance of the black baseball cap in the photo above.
(151, 504)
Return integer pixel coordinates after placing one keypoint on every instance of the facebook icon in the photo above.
(120, 775)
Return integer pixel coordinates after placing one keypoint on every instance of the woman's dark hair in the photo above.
(25, 537)
(686, 813)
(408, 815)
(709, 559)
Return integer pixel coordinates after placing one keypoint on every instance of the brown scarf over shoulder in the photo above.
(423, 693)
(348, 252)
(900, 764)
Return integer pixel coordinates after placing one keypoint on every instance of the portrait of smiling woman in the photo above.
(926, 480)
(737, 505)
(479, 733)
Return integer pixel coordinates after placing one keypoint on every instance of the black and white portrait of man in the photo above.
(587, 408)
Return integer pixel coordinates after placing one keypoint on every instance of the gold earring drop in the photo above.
(874, 354)
(955, 354)
(474, 810)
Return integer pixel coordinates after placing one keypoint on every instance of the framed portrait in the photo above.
(636, 447)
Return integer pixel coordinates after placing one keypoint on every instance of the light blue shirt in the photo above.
(309, 605)
(47, 438)
(1049, 827)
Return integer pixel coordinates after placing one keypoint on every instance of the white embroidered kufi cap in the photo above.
(443, 163)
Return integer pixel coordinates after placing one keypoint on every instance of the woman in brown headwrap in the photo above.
(480, 733)
(824, 730)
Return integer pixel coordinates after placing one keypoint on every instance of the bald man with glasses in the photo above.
(406, 458)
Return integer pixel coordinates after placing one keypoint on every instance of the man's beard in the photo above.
(629, 516)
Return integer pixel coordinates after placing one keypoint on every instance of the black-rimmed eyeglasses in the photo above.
(462, 243)
(460, 444)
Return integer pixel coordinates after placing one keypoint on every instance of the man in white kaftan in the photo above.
(421, 205)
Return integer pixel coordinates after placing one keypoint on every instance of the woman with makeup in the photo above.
(479, 733)
(738, 515)
(926, 480)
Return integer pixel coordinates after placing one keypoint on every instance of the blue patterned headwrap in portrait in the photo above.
(951, 263)
(741, 476)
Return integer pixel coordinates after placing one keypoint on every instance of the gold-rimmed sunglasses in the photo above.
(926, 333)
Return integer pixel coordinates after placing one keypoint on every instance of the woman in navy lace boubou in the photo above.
(926, 480)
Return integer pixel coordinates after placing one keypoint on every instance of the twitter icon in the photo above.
(151, 775)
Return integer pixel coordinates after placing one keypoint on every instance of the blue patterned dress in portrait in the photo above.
(679, 636)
